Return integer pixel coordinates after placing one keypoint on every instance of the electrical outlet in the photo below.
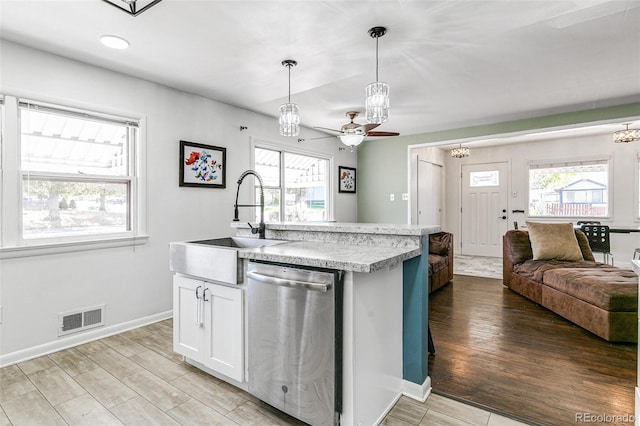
(392, 197)
(405, 196)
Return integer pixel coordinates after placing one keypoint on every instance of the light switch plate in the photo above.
(392, 197)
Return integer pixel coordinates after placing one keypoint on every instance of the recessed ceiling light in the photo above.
(114, 42)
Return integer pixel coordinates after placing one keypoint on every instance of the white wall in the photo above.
(624, 181)
(134, 283)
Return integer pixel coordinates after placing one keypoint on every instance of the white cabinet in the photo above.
(208, 325)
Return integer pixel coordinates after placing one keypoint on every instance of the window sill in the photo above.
(69, 247)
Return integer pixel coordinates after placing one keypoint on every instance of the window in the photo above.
(569, 189)
(484, 178)
(69, 178)
(638, 187)
(76, 173)
(295, 185)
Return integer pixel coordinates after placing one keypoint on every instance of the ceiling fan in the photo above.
(352, 134)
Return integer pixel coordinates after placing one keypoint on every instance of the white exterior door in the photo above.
(484, 206)
(429, 191)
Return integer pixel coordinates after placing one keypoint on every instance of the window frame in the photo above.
(12, 241)
(636, 187)
(281, 149)
(565, 161)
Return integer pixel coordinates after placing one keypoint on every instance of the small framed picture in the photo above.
(202, 165)
(346, 179)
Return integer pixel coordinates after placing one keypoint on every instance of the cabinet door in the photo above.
(224, 340)
(187, 316)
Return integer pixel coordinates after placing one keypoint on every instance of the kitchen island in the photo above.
(384, 334)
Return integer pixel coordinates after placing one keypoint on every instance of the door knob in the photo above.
(502, 217)
(504, 210)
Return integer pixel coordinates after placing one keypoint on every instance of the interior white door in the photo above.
(484, 217)
(429, 191)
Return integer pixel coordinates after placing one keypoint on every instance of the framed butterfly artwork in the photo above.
(202, 165)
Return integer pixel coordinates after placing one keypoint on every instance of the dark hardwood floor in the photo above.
(498, 349)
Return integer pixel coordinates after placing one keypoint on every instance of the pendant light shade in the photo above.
(460, 152)
(627, 135)
(289, 119)
(377, 102)
(289, 112)
(377, 93)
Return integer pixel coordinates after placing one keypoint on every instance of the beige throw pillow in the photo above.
(553, 241)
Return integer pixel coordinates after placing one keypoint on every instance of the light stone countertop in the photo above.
(348, 227)
(344, 257)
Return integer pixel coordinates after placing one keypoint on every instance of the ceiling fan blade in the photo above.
(321, 137)
(337, 132)
(369, 126)
(383, 134)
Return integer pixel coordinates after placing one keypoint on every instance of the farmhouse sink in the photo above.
(214, 259)
(238, 242)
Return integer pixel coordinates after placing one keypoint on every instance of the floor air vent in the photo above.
(80, 320)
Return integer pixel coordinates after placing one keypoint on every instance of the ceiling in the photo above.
(450, 64)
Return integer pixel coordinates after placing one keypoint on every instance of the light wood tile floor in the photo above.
(135, 378)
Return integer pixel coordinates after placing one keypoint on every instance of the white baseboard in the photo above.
(79, 339)
(416, 391)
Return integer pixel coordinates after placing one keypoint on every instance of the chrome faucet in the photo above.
(260, 230)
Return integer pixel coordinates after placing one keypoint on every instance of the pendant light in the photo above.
(377, 100)
(460, 152)
(133, 7)
(289, 113)
(627, 135)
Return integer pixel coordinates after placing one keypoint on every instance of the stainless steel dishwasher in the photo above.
(295, 340)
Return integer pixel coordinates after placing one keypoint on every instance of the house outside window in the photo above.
(70, 177)
(569, 189)
(295, 185)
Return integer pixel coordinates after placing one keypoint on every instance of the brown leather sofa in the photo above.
(596, 296)
(440, 259)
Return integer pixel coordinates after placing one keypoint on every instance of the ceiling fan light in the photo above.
(377, 102)
(351, 139)
(627, 135)
(289, 119)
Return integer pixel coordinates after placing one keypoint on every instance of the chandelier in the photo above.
(460, 152)
(377, 100)
(289, 113)
(133, 7)
(626, 135)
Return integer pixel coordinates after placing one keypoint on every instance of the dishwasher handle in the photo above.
(282, 282)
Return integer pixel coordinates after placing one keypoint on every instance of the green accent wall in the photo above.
(382, 163)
